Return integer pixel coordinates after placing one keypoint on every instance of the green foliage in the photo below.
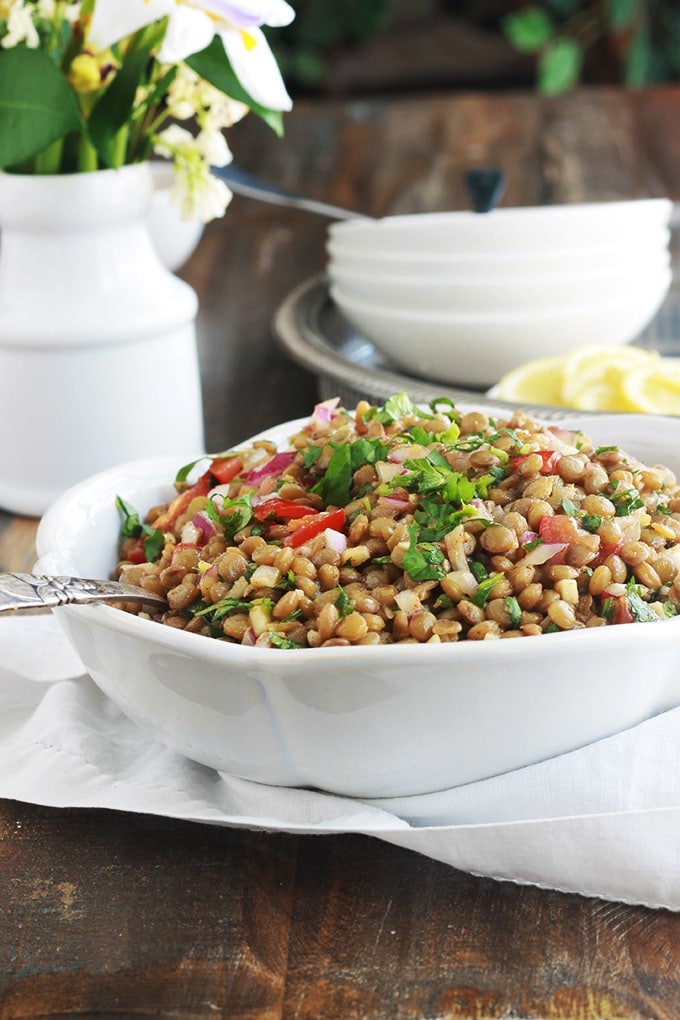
(559, 66)
(37, 105)
(529, 30)
(561, 33)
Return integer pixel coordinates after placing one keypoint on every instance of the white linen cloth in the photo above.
(602, 821)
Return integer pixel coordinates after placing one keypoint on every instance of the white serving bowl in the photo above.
(487, 293)
(515, 229)
(424, 264)
(367, 722)
(477, 348)
(174, 238)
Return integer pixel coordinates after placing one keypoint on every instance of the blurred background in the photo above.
(364, 47)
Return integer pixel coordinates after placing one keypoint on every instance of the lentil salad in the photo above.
(407, 524)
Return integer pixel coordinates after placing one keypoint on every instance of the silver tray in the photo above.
(315, 334)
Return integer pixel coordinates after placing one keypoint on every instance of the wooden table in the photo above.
(114, 915)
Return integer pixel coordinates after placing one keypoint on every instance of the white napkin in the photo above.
(602, 821)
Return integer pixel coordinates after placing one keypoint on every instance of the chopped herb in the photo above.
(395, 407)
(663, 509)
(569, 507)
(422, 560)
(591, 522)
(310, 455)
(670, 608)
(287, 582)
(533, 544)
(514, 611)
(233, 514)
(442, 402)
(481, 596)
(478, 570)
(552, 628)
(133, 527)
(281, 641)
(343, 604)
(216, 610)
(637, 605)
(607, 611)
(627, 501)
(605, 449)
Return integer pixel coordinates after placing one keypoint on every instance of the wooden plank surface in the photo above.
(106, 914)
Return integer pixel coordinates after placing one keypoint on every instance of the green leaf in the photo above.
(37, 105)
(559, 67)
(620, 13)
(115, 106)
(132, 527)
(529, 30)
(639, 61)
(214, 66)
(422, 561)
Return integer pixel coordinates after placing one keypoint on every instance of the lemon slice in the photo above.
(653, 388)
(536, 382)
(592, 375)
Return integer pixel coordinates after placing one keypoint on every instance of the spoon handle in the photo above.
(34, 591)
(243, 183)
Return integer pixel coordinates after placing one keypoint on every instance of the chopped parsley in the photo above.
(422, 560)
(133, 527)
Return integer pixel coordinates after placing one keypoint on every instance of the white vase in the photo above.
(98, 358)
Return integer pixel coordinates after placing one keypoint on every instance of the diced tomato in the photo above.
(606, 550)
(179, 504)
(306, 530)
(558, 528)
(135, 551)
(622, 612)
(281, 509)
(550, 459)
(224, 469)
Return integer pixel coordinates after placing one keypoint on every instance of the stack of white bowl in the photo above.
(464, 297)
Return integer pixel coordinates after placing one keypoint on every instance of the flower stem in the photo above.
(49, 160)
(87, 155)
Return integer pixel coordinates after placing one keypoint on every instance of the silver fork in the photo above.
(38, 591)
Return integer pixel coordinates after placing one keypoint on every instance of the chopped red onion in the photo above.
(204, 525)
(544, 552)
(278, 463)
(335, 540)
(325, 411)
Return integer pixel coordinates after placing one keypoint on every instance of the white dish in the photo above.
(487, 293)
(377, 721)
(518, 229)
(414, 262)
(476, 349)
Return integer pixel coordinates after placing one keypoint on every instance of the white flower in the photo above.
(199, 194)
(191, 96)
(20, 28)
(192, 24)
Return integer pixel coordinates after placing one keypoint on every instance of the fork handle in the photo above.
(35, 591)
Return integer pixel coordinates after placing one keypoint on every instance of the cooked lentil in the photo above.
(403, 524)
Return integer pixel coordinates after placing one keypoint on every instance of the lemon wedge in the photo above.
(593, 376)
(536, 382)
(653, 389)
(597, 378)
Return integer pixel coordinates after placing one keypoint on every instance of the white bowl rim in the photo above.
(161, 467)
(614, 208)
(571, 310)
(633, 252)
(641, 273)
